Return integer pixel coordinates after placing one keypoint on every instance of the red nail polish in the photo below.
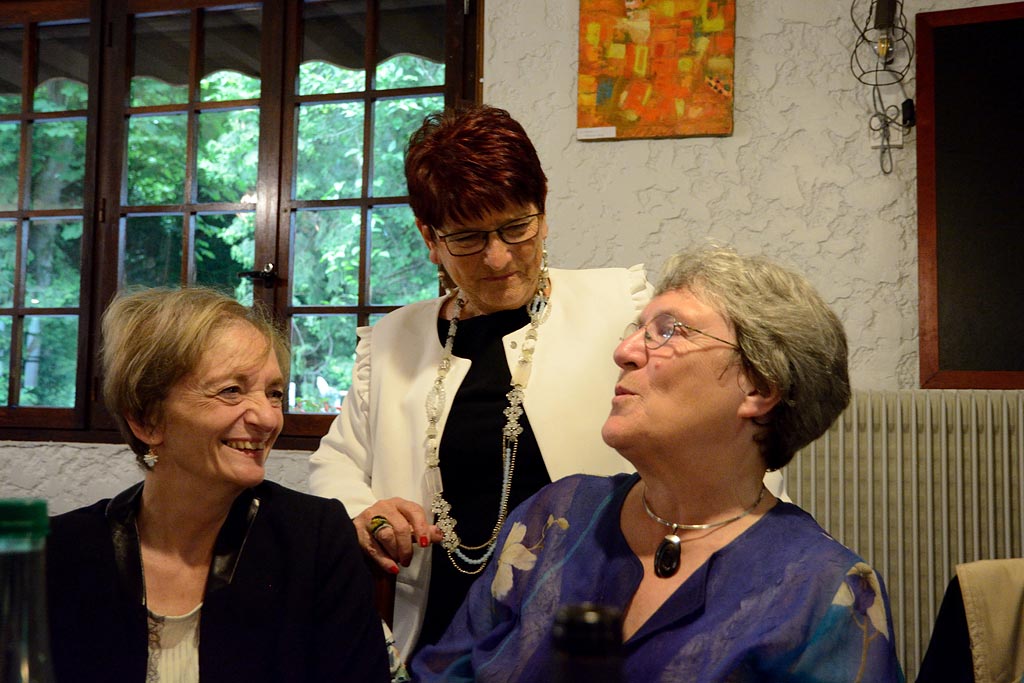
(394, 569)
(424, 541)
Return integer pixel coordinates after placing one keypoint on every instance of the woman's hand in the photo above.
(388, 529)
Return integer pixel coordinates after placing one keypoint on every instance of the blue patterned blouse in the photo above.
(783, 602)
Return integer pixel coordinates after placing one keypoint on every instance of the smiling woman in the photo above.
(205, 570)
(220, 421)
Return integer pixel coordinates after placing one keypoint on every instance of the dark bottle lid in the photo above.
(588, 629)
(24, 517)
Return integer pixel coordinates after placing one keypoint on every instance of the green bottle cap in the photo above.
(23, 517)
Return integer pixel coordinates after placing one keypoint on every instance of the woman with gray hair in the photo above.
(204, 571)
(734, 365)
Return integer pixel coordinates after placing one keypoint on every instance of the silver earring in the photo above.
(543, 280)
(150, 459)
(443, 280)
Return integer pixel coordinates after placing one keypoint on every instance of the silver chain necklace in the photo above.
(509, 437)
(666, 557)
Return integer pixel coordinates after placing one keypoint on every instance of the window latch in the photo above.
(267, 275)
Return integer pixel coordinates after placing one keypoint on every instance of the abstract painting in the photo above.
(655, 68)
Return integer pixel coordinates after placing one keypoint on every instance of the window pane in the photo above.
(49, 362)
(10, 144)
(54, 257)
(329, 162)
(323, 351)
(6, 323)
(333, 40)
(409, 71)
(394, 122)
(229, 85)
(400, 270)
(63, 68)
(160, 73)
(321, 78)
(152, 251)
(225, 246)
(228, 155)
(156, 159)
(325, 261)
(8, 240)
(410, 44)
(58, 164)
(231, 56)
(10, 75)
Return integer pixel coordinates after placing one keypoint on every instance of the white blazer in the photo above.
(376, 447)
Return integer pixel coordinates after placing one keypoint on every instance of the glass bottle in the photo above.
(588, 644)
(24, 628)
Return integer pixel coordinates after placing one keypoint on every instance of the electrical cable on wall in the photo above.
(881, 59)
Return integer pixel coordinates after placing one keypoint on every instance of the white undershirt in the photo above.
(173, 648)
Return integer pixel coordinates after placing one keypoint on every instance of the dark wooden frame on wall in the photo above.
(933, 373)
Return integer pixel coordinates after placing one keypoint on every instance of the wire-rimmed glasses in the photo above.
(469, 242)
(659, 329)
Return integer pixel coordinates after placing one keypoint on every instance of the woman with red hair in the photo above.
(496, 388)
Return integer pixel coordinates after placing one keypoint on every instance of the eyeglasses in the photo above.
(469, 242)
(659, 329)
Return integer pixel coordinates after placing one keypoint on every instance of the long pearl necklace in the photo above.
(509, 437)
(667, 556)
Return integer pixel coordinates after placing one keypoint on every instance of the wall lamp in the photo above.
(881, 59)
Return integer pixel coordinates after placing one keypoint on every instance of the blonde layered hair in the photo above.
(153, 338)
(789, 340)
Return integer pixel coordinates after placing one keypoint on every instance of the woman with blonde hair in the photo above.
(204, 570)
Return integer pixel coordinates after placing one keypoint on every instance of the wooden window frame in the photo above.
(88, 420)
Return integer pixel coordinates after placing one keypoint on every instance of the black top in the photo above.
(471, 458)
(948, 659)
(287, 599)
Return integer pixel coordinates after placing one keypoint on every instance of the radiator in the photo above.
(917, 482)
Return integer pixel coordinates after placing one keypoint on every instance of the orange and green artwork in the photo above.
(655, 68)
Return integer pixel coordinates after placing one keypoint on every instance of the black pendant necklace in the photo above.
(666, 557)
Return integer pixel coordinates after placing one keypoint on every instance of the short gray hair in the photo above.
(789, 340)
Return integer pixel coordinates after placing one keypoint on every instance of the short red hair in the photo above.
(465, 163)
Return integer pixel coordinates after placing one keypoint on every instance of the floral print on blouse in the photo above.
(784, 601)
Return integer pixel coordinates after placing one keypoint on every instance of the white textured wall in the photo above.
(796, 181)
(70, 475)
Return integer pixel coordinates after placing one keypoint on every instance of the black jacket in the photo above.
(288, 597)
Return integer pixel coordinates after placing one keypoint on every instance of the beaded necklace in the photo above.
(509, 437)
